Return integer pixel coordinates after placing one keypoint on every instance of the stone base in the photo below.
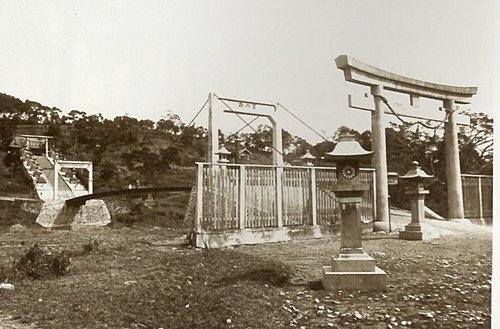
(233, 237)
(353, 263)
(411, 235)
(414, 232)
(58, 215)
(359, 281)
(380, 226)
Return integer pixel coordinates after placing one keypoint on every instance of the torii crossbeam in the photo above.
(379, 80)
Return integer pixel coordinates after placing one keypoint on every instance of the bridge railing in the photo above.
(78, 201)
(233, 197)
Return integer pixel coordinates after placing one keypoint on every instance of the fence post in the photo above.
(242, 197)
(56, 179)
(313, 197)
(199, 198)
(480, 197)
(374, 200)
(279, 195)
(90, 186)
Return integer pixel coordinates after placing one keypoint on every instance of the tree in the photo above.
(7, 129)
(107, 171)
(476, 144)
(171, 124)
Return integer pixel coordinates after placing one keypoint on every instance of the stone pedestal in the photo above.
(413, 231)
(352, 269)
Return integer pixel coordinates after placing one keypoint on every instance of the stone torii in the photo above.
(379, 80)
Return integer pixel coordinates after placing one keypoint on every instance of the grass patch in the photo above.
(127, 283)
(12, 213)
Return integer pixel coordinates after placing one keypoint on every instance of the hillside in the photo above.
(127, 151)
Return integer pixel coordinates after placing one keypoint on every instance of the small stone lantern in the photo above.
(392, 178)
(223, 154)
(416, 177)
(308, 158)
(352, 269)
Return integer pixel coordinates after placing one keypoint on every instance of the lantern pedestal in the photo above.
(413, 231)
(352, 269)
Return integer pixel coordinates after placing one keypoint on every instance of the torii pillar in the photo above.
(213, 133)
(380, 80)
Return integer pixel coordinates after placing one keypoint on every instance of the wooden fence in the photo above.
(234, 197)
(478, 198)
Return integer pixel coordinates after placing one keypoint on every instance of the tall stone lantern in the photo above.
(416, 178)
(352, 269)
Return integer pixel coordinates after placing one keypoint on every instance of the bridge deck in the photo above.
(139, 191)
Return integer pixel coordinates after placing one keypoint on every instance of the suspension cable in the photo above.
(305, 124)
(247, 123)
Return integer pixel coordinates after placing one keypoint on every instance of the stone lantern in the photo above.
(392, 178)
(74, 180)
(416, 177)
(352, 269)
(308, 158)
(223, 154)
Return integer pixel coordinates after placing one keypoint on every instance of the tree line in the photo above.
(125, 149)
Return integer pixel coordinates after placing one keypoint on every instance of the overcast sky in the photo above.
(145, 58)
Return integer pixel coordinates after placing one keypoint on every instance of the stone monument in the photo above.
(352, 269)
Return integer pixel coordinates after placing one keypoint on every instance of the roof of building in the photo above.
(35, 141)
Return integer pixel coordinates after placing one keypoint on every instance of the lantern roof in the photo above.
(416, 172)
(349, 148)
(308, 156)
(223, 150)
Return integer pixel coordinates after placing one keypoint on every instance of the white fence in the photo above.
(478, 198)
(236, 197)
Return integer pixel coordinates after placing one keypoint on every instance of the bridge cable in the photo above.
(247, 123)
(305, 124)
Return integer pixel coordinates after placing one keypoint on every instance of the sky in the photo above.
(144, 59)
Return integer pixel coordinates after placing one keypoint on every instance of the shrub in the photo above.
(38, 263)
(92, 245)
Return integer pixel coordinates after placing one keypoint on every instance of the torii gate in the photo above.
(379, 80)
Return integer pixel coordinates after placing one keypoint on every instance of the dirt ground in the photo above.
(146, 277)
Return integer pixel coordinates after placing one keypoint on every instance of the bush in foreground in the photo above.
(38, 263)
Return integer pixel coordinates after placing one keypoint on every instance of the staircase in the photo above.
(54, 212)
